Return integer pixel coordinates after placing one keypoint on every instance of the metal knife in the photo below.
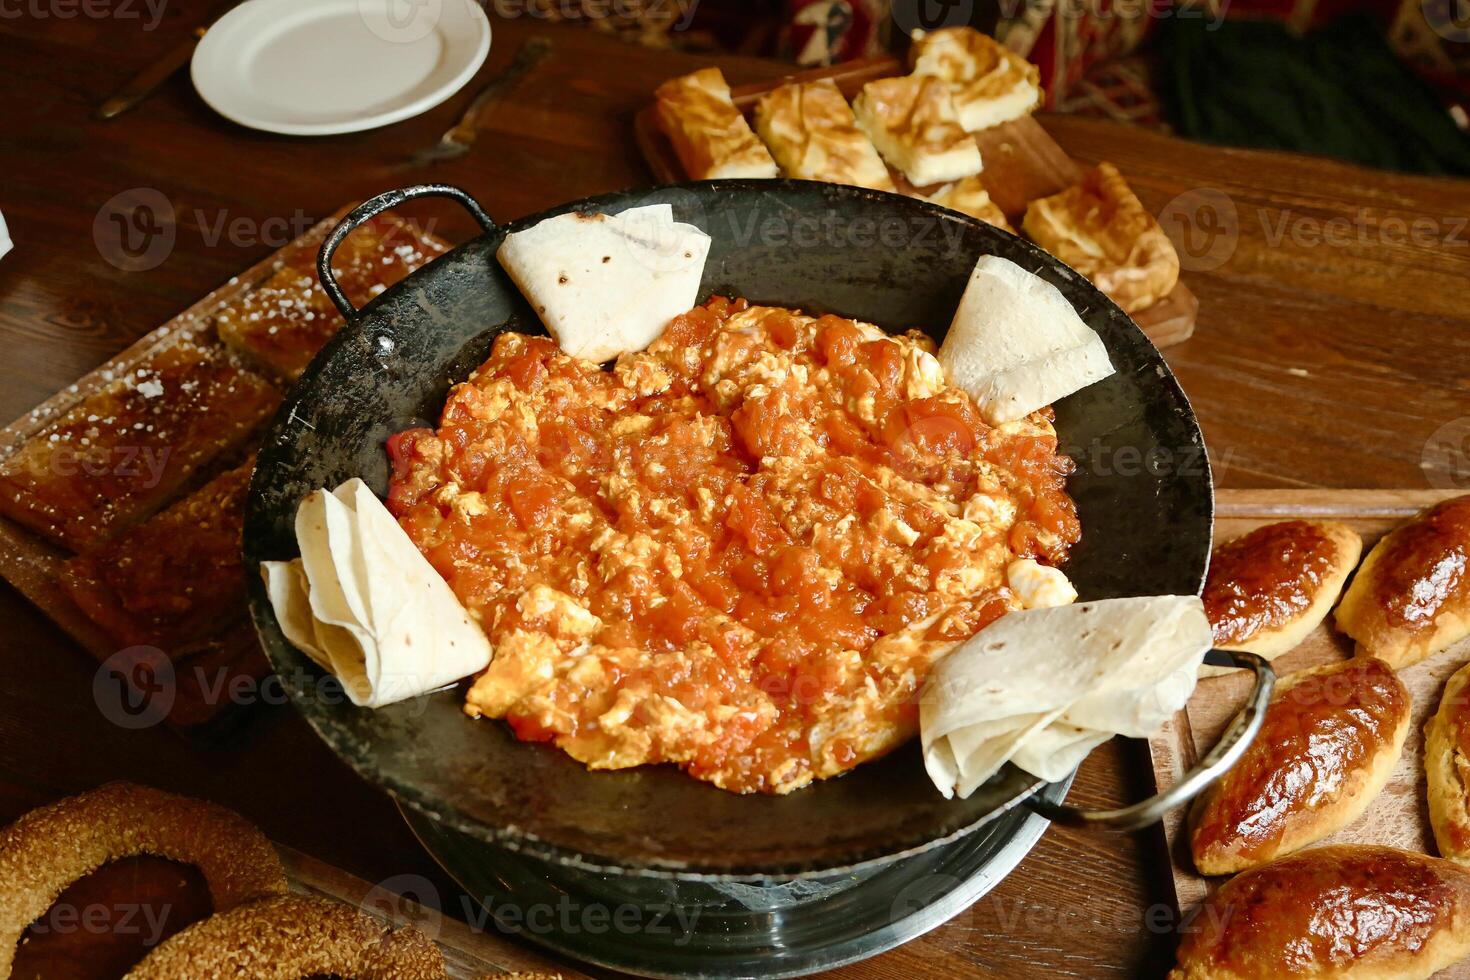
(458, 140)
(142, 85)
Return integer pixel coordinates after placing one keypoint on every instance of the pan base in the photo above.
(702, 930)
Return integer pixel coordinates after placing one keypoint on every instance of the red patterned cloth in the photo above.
(825, 32)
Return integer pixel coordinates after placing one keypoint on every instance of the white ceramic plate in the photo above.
(315, 67)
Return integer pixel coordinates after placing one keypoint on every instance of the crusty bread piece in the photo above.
(709, 134)
(1101, 229)
(812, 133)
(1447, 768)
(1343, 912)
(1411, 598)
(1331, 738)
(911, 119)
(991, 84)
(1269, 588)
(969, 196)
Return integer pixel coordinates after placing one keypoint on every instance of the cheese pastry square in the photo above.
(969, 196)
(813, 135)
(1101, 229)
(709, 134)
(991, 84)
(913, 123)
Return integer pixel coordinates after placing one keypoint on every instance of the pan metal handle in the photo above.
(371, 209)
(1226, 753)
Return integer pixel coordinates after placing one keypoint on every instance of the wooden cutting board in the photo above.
(1022, 163)
(32, 565)
(1398, 816)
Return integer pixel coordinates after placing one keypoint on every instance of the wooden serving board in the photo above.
(1399, 815)
(32, 565)
(1022, 163)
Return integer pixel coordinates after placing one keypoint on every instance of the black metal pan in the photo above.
(1142, 487)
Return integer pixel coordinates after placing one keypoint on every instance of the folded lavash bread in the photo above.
(1044, 687)
(605, 284)
(367, 606)
(1017, 345)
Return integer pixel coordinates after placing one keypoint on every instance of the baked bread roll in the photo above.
(1411, 598)
(709, 134)
(991, 84)
(1346, 912)
(1268, 589)
(969, 196)
(912, 121)
(1447, 768)
(1101, 229)
(813, 135)
(1331, 738)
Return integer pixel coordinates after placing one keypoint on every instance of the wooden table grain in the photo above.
(1333, 349)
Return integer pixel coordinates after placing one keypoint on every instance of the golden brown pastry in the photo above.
(1411, 598)
(1331, 738)
(709, 134)
(289, 937)
(1269, 588)
(969, 196)
(1447, 768)
(47, 849)
(912, 121)
(1345, 912)
(991, 84)
(1101, 229)
(812, 133)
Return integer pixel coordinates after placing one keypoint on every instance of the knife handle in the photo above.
(141, 85)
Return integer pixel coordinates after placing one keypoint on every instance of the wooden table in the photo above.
(1333, 342)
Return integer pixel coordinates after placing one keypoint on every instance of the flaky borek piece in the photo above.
(813, 134)
(709, 134)
(1101, 229)
(47, 849)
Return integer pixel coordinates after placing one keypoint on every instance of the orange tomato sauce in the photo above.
(738, 551)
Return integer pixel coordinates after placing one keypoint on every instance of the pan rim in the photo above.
(523, 840)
